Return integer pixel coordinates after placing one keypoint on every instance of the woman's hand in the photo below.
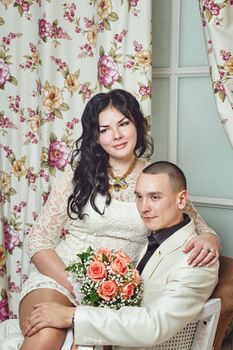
(48, 315)
(205, 250)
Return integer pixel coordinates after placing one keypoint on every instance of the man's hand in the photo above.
(206, 248)
(48, 315)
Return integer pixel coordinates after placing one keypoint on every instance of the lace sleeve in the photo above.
(45, 233)
(200, 224)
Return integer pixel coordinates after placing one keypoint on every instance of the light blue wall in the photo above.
(161, 19)
(192, 45)
(160, 118)
(203, 149)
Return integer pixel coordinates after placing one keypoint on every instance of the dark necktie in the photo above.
(151, 248)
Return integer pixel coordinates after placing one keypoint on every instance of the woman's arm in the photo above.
(46, 232)
(206, 247)
(50, 264)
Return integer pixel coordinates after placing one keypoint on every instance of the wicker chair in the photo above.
(197, 335)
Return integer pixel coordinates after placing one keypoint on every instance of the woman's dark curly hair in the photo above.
(89, 161)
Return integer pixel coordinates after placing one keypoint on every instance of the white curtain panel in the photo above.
(217, 21)
(54, 56)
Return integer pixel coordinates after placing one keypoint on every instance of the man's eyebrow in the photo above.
(149, 193)
(120, 121)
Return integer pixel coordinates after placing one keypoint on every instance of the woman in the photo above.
(101, 210)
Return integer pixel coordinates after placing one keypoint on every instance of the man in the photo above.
(174, 292)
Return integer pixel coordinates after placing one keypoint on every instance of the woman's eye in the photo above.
(102, 131)
(125, 123)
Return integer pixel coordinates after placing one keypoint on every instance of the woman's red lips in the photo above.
(120, 145)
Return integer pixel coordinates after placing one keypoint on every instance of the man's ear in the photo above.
(182, 199)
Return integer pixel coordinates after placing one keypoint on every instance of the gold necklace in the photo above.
(118, 183)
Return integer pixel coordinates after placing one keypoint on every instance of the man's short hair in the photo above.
(175, 174)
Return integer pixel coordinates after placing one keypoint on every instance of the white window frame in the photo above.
(173, 73)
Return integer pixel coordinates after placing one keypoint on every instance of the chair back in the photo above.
(198, 334)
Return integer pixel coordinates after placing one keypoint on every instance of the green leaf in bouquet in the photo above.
(90, 251)
(94, 298)
(76, 267)
(70, 268)
(104, 258)
(85, 255)
(81, 257)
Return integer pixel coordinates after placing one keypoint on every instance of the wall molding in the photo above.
(210, 202)
(180, 72)
(192, 72)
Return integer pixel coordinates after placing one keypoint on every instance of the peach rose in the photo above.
(127, 290)
(100, 252)
(96, 271)
(120, 266)
(122, 255)
(135, 277)
(108, 290)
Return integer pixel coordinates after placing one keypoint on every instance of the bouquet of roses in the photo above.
(107, 278)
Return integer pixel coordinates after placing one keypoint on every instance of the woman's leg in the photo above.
(46, 338)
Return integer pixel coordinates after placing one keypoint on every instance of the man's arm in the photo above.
(166, 312)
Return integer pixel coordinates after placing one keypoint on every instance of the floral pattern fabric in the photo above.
(217, 20)
(54, 57)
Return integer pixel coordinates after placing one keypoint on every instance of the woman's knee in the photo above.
(45, 339)
(40, 296)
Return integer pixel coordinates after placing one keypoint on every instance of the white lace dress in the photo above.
(119, 228)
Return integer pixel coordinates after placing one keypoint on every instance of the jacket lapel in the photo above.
(175, 241)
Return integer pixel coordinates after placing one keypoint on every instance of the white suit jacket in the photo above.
(174, 293)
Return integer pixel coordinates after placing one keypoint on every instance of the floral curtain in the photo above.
(217, 20)
(54, 56)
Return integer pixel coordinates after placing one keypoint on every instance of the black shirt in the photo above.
(158, 237)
